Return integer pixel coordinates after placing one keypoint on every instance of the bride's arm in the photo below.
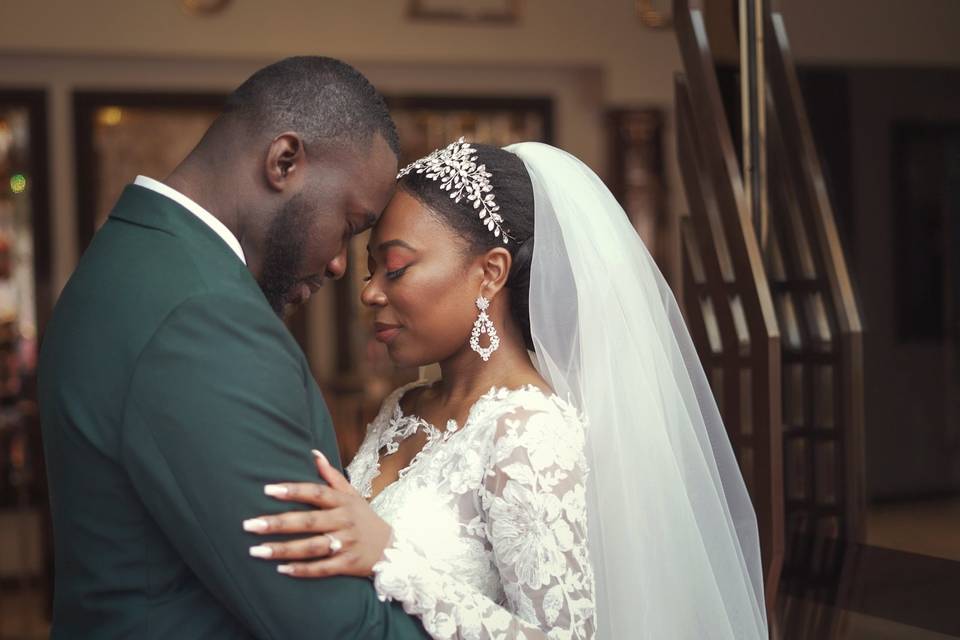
(533, 500)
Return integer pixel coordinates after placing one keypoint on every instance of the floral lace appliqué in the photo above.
(490, 529)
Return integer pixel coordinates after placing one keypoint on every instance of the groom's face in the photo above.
(342, 194)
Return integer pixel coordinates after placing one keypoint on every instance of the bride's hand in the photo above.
(345, 517)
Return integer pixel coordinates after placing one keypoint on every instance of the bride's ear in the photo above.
(496, 271)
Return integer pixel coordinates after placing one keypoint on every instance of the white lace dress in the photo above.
(489, 518)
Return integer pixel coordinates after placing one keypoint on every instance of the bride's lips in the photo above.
(385, 333)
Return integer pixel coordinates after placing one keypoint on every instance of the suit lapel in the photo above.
(147, 208)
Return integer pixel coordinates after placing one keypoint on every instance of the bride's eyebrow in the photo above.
(383, 246)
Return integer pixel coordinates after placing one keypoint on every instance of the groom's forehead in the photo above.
(375, 177)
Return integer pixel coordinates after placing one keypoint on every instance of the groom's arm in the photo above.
(217, 408)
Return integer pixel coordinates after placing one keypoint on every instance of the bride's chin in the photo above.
(397, 357)
(403, 359)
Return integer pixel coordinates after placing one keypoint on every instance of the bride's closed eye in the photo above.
(395, 259)
(391, 275)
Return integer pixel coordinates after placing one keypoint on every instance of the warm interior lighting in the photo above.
(110, 116)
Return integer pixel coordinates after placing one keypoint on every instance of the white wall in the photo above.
(923, 33)
(637, 62)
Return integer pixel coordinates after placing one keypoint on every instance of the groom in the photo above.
(171, 392)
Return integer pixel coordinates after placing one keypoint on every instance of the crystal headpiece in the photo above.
(456, 168)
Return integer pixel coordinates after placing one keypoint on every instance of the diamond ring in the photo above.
(335, 544)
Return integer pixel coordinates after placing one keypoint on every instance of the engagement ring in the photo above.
(335, 544)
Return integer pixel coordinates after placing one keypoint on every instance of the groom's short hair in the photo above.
(322, 99)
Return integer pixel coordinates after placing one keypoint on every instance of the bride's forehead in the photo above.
(406, 212)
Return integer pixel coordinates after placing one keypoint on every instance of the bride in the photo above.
(569, 475)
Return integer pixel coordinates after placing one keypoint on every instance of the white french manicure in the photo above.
(285, 569)
(255, 524)
(261, 551)
(318, 454)
(275, 490)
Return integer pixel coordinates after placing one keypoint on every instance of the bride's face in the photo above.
(422, 284)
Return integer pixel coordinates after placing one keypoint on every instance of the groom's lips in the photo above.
(385, 333)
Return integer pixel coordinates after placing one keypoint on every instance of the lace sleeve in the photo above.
(533, 501)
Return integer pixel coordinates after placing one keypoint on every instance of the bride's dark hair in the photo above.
(514, 194)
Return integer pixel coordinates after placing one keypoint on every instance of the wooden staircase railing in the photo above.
(726, 296)
(822, 356)
(777, 326)
(811, 272)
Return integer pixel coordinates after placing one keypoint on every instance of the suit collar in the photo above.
(147, 208)
(187, 203)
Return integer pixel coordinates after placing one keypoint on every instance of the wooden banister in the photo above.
(727, 298)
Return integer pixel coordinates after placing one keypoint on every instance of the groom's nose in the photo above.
(338, 266)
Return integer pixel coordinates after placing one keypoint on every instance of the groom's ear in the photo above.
(285, 161)
(496, 271)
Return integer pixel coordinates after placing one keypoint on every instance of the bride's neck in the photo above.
(465, 377)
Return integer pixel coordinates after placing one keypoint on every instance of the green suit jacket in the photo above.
(170, 394)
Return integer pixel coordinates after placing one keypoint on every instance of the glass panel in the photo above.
(793, 414)
(425, 125)
(823, 402)
(18, 328)
(798, 235)
(151, 141)
(746, 402)
(777, 270)
(796, 463)
(22, 519)
(824, 470)
(694, 260)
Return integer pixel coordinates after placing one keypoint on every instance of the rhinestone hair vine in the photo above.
(456, 168)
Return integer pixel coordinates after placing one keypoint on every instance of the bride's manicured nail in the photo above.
(320, 456)
(275, 490)
(255, 524)
(261, 551)
(285, 569)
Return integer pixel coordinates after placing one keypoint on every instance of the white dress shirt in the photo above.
(208, 218)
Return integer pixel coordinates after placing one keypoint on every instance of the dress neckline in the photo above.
(491, 393)
(406, 425)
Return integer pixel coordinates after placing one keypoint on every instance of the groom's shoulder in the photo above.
(132, 280)
(132, 266)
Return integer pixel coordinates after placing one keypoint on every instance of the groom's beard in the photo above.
(283, 254)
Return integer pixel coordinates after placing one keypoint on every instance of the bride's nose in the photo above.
(372, 295)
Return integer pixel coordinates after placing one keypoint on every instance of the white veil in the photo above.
(672, 532)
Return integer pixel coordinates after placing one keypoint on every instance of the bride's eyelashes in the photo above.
(391, 275)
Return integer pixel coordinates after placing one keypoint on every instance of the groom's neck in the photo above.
(206, 184)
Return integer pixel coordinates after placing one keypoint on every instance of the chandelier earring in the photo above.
(484, 325)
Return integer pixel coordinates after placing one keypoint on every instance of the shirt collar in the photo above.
(208, 218)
